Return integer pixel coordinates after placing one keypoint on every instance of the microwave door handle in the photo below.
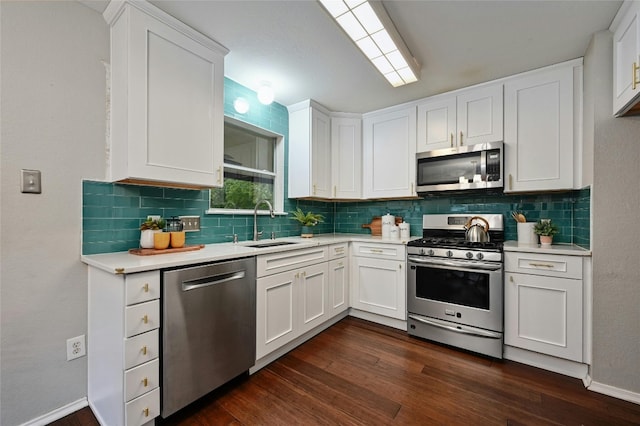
(459, 329)
(453, 264)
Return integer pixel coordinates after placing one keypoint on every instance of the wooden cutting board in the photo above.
(376, 225)
(150, 251)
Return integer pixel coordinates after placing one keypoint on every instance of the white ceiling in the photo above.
(297, 47)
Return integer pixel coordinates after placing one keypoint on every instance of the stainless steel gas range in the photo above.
(454, 286)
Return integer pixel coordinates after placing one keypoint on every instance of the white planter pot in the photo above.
(146, 238)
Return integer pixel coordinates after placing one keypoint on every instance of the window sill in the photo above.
(243, 212)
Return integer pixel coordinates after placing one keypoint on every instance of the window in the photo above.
(253, 160)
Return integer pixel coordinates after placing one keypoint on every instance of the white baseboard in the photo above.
(379, 319)
(59, 413)
(614, 391)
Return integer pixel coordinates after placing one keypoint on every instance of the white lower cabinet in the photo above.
(123, 347)
(543, 304)
(299, 299)
(378, 279)
(338, 286)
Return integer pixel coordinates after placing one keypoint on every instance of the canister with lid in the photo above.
(404, 231)
(388, 220)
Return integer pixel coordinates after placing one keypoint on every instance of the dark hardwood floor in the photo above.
(359, 373)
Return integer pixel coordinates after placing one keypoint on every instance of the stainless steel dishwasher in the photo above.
(208, 329)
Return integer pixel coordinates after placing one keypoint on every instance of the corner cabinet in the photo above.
(166, 100)
(389, 153)
(541, 116)
(626, 60)
(123, 347)
(472, 116)
(325, 153)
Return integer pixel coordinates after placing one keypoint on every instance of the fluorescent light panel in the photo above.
(364, 24)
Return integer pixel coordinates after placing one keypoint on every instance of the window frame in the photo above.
(278, 167)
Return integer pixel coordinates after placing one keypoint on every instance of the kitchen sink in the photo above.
(271, 244)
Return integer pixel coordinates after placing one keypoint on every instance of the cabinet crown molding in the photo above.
(116, 8)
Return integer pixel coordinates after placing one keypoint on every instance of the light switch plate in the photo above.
(31, 182)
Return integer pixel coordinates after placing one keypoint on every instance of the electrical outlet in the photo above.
(190, 223)
(31, 182)
(154, 217)
(75, 348)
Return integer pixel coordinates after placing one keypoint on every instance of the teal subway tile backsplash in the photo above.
(112, 212)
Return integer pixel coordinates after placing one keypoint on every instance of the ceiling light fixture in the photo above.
(371, 29)
(265, 93)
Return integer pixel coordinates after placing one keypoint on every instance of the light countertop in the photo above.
(126, 263)
(561, 249)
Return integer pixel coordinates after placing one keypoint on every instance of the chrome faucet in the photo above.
(256, 234)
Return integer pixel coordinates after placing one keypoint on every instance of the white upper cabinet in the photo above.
(346, 157)
(539, 129)
(166, 99)
(472, 116)
(309, 151)
(389, 148)
(626, 59)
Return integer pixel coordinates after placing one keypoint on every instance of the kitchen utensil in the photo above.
(477, 233)
(518, 217)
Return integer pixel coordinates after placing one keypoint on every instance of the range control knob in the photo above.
(430, 252)
(449, 253)
(479, 256)
(469, 255)
(422, 251)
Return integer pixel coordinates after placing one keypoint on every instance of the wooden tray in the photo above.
(150, 251)
(376, 225)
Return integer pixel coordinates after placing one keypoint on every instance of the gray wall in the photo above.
(53, 120)
(616, 201)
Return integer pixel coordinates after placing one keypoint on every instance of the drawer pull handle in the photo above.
(511, 279)
(145, 382)
(461, 143)
(146, 287)
(145, 319)
(220, 175)
(376, 251)
(144, 350)
(634, 81)
(145, 412)
(400, 266)
(451, 140)
(542, 265)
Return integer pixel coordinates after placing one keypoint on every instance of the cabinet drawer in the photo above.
(141, 348)
(141, 379)
(281, 262)
(143, 409)
(337, 251)
(544, 264)
(141, 318)
(379, 251)
(142, 287)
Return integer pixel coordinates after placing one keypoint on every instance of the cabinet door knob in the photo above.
(634, 80)
(220, 175)
(451, 140)
(461, 143)
(511, 278)
(335, 190)
(314, 189)
(510, 181)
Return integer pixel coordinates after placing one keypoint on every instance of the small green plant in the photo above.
(307, 219)
(153, 224)
(545, 227)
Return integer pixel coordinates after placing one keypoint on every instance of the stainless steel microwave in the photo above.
(479, 166)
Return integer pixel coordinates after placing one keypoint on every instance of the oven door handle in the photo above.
(485, 266)
(458, 329)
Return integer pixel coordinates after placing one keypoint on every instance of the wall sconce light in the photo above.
(241, 105)
(265, 93)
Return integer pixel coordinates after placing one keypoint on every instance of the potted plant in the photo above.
(546, 230)
(307, 220)
(148, 228)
